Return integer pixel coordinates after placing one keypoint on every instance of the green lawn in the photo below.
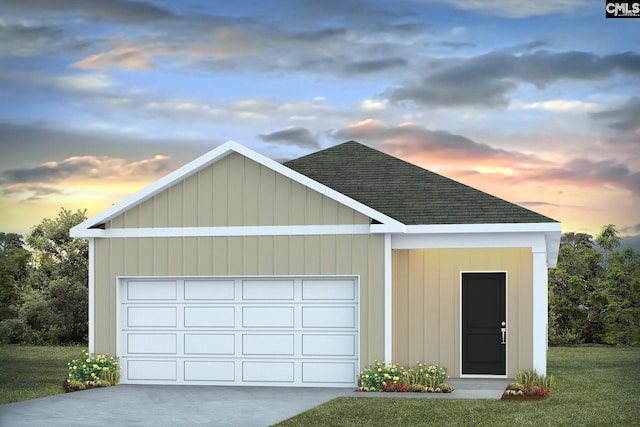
(28, 372)
(595, 386)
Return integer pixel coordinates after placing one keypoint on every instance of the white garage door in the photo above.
(239, 331)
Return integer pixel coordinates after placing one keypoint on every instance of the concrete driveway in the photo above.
(136, 405)
(159, 406)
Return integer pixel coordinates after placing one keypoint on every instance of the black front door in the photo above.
(484, 323)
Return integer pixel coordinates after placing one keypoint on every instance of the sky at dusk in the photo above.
(536, 102)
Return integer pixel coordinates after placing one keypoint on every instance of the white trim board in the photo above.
(279, 230)
(476, 236)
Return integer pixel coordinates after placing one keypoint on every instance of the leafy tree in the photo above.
(594, 295)
(576, 273)
(52, 307)
(14, 269)
(609, 238)
(621, 316)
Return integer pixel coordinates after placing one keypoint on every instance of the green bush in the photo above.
(445, 388)
(425, 375)
(100, 370)
(374, 377)
(515, 387)
(532, 378)
(421, 377)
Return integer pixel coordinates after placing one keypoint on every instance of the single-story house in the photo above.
(236, 269)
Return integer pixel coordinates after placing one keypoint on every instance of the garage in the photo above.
(276, 331)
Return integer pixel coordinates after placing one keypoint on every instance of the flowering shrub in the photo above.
(398, 386)
(532, 377)
(428, 376)
(534, 390)
(373, 377)
(421, 377)
(530, 384)
(98, 371)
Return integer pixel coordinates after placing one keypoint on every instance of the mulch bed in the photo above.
(506, 396)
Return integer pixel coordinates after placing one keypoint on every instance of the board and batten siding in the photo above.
(237, 191)
(426, 304)
(341, 255)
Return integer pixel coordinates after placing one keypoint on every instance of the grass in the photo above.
(595, 386)
(30, 372)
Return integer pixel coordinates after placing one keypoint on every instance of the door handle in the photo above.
(503, 332)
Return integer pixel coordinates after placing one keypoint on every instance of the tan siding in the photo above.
(220, 193)
(189, 206)
(266, 197)
(426, 303)
(237, 191)
(361, 255)
(175, 204)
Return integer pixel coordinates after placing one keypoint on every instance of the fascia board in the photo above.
(82, 229)
(541, 237)
(541, 227)
(235, 231)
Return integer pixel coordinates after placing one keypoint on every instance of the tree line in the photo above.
(594, 291)
(44, 295)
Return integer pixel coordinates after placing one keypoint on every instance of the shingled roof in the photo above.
(404, 191)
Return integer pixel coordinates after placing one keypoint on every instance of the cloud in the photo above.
(80, 177)
(488, 79)
(430, 146)
(25, 40)
(518, 8)
(584, 172)
(121, 11)
(625, 118)
(87, 82)
(537, 203)
(127, 58)
(31, 192)
(297, 136)
(560, 106)
(373, 65)
(83, 167)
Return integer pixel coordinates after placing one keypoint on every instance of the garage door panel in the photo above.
(152, 290)
(268, 372)
(152, 370)
(344, 290)
(152, 343)
(328, 345)
(328, 317)
(196, 370)
(209, 317)
(267, 345)
(279, 331)
(268, 317)
(215, 344)
(151, 317)
(328, 372)
(267, 290)
(216, 290)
